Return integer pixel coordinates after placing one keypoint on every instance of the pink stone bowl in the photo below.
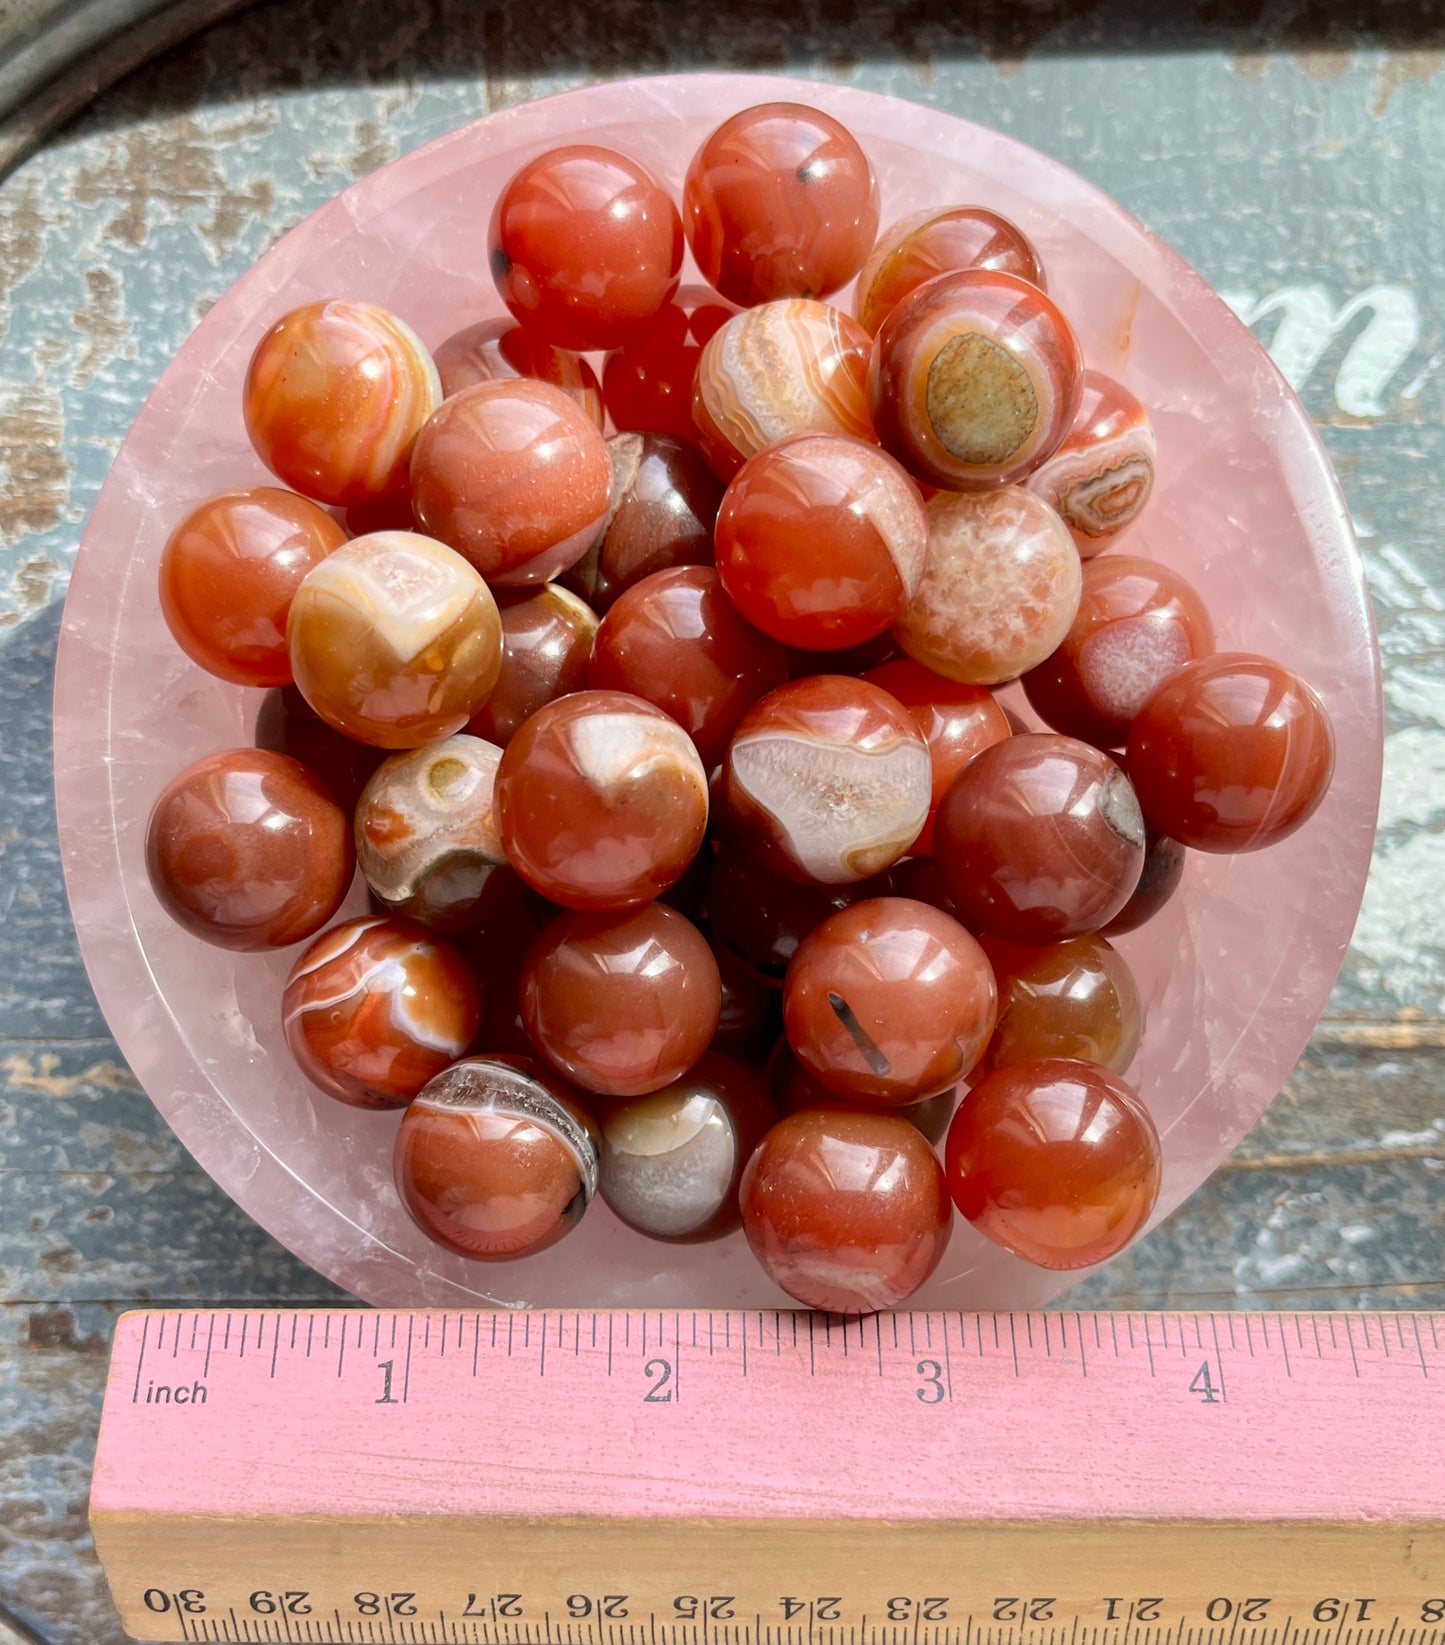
(1234, 973)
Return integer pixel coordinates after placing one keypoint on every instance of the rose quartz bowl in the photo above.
(1234, 972)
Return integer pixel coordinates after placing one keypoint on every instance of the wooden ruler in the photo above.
(766, 1478)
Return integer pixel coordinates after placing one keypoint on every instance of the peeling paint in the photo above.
(34, 471)
(102, 320)
(25, 1073)
(1399, 69)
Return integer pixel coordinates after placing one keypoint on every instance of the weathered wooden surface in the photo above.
(1292, 153)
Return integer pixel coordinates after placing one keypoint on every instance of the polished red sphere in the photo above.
(648, 384)
(974, 380)
(931, 242)
(248, 849)
(1138, 622)
(890, 1001)
(1039, 838)
(229, 572)
(602, 800)
(547, 638)
(957, 721)
(1101, 476)
(621, 1003)
(780, 201)
(1057, 1161)
(677, 641)
(586, 247)
(1232, 753)
(287, 724)
(846, 1210)
(375, 1008)
(821, 541)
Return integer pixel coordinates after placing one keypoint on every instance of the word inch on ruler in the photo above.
(776, 1478)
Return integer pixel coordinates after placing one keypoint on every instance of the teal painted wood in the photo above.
(1299, 176)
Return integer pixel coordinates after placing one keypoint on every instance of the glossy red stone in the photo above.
(229, 572)
(622, 1004)
(763, 916)
(1073, 999)
(890, 1001)
(586, 247)
(1057, 1161)
(931, 242)
(1159, 879)
(1000, 587)
(602, 800)
(1039, 838)
(394, 640)
(821, 541)
(648, 384)
(671, 1160)
(334, 397)
(794, 1089)
(375, 1008)
(515, 476)
(1138, 622)
(499, 350)
(248, 849)
(287, 724)
(828, 780)
(974, 380)
(678, 642)
(957, 721)
(791, 367)
(547, 639)
(1101, 476)
(664, 502)
(749, 1022)
(1231, 753)
(780, 201)
(495, 1159)
(847, 1211)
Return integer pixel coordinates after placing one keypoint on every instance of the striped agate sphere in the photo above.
(795, 366)
(375, 1008)
(1100, 477)
(335, 395)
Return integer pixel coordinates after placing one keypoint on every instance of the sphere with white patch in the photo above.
(601, 800)
(821, 541)
(1000, 587)
(828, 780)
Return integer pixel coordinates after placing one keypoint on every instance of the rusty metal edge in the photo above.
(111, 38)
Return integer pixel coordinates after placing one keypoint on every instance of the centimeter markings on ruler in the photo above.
(775, 1478)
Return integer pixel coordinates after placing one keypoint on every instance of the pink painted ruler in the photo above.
(777, 1478)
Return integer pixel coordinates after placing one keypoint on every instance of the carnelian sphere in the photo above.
(1000, 587)
(494, 1159)
(586, 247)
(1231, 753)
(515, 476)
(780, 201)
(494, 350)
(375, 1008)
(1056, 1160)
(957, 721)
(394, 640)
(671, 1160)
(821, 541)
(974, 380)
(1039, 838)
(547, 638)
(932, 242)
(1100, 477)
(648, 384)
(678, 642)
(791, 367)
(1065, 999)
(1138, 622)
(827, 779)
(889, 1000)
(621, 1003)
(602, 800)
(248, 849)
(1159, 879)
(287, 724)
(229, 572)
(846, 1210)
(335, 395)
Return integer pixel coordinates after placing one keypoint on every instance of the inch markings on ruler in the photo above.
(764, 1478)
